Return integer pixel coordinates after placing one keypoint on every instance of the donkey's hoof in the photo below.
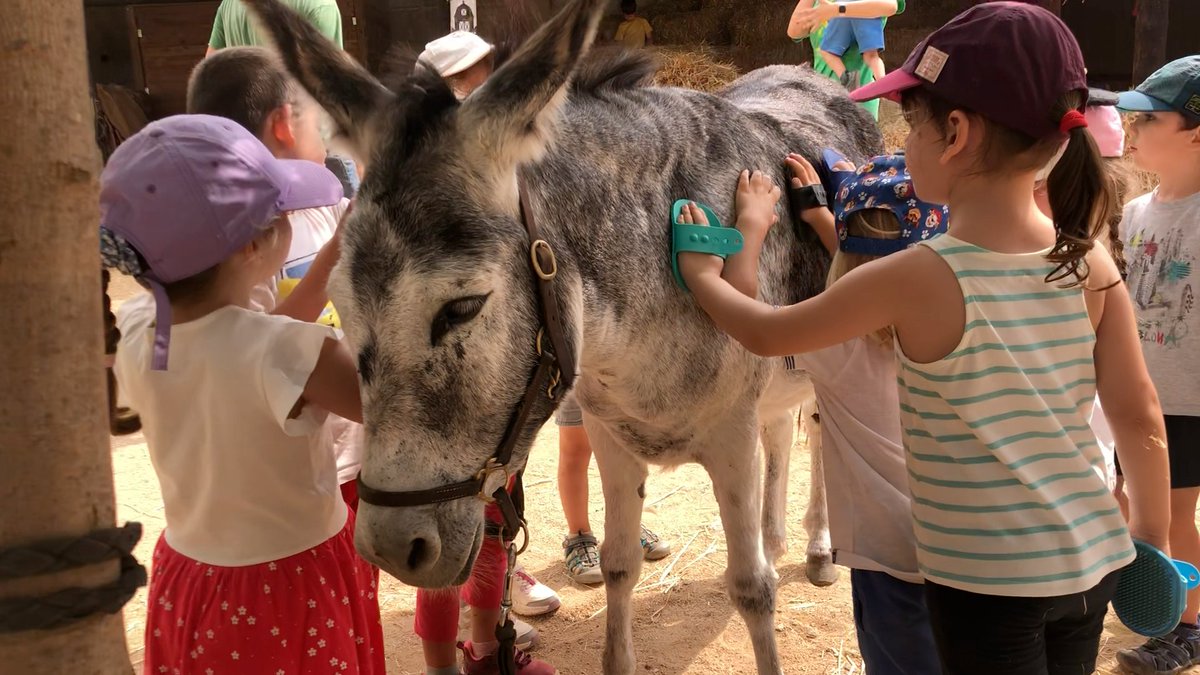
(820, 570)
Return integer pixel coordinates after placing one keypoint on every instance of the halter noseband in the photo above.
(553, 374)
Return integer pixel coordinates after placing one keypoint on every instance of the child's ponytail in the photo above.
(1082, 199)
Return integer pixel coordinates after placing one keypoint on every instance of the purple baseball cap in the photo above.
(1008, 61)
(188, 191)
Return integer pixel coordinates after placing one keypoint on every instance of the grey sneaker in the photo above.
(654, 548)
(1166, 655)
(850, 80)
(582, 558)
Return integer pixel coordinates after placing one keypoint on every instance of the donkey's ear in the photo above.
(512, 115)
(350, 95)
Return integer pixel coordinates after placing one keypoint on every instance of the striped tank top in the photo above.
(1008, 492)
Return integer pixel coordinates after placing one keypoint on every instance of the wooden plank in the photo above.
(1149, 38)
(170, 40)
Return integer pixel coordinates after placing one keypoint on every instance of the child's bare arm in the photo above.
(866, 299)
(819, 218)
(809, 13)
(1132, 408)
(757, 196)
(308, 299)
(333, 384)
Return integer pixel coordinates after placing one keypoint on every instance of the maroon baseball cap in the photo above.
(1007, 61)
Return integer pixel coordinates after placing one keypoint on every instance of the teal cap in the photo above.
(1174, 87)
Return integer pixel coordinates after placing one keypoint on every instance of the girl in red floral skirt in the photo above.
(256, 571)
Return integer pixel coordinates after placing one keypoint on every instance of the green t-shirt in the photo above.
(852, 58)
(232, 27)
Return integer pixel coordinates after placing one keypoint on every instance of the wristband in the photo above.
(807, 197)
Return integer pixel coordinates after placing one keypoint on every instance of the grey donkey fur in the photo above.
(437, 298)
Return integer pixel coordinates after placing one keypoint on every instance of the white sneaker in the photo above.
(531, 597)
(527, 636)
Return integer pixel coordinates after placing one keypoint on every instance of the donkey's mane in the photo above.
(612, 69)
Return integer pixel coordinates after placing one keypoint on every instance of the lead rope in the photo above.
(506, 631)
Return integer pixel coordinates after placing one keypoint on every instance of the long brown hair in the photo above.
(1081, 192)
(869, 224)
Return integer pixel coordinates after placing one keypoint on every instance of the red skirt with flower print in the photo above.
(312, 613)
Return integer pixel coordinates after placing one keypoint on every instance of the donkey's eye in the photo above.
(455, 313)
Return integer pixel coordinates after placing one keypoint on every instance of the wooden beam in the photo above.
(1149, 38)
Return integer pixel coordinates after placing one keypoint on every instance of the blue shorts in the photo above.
(569, 414)
(894, 635)
(843, 32)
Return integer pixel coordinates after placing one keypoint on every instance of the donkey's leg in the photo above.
(623, 478)
(776, 437)
(819, 567)
(736, 473)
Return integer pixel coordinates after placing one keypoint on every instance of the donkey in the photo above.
(438, 300)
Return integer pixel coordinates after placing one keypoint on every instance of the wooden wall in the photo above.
(749, 32)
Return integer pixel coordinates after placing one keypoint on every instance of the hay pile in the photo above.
(698, 68)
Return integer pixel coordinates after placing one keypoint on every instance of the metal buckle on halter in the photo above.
(556, 377)
(537, 264)
(485, 473)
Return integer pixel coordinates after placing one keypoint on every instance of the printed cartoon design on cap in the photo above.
(882, 183)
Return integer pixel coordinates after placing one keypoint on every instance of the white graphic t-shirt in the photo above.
(1162, 244)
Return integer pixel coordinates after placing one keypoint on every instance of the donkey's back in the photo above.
(654, 367)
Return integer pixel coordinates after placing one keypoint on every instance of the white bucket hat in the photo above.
(451, 54)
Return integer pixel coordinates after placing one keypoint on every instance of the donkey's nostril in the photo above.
(418, 552)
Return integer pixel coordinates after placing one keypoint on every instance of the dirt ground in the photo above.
(684, 624)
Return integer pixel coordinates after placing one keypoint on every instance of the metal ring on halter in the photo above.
(538, 343)
(554, 380)
(525, 540)
(488, 469)
(537, 264)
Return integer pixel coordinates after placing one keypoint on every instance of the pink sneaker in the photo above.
(490, 664)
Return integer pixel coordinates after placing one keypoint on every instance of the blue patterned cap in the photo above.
(883, 183)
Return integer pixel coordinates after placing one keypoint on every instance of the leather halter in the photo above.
(553, 374)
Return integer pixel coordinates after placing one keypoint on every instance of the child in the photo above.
(1104, 125)
(855, 382)
(1005, 328)
(851, 63)
(250, 86)
(464, 61)
(866, 34)
(634, 31)
(255, 571)
(1161, 231)
(581, 549)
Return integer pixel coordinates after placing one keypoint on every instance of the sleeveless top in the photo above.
(1006, 475)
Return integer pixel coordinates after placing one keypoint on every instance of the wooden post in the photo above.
(55, 461)
(1149, 38)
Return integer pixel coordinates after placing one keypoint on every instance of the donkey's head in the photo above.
(434, 284)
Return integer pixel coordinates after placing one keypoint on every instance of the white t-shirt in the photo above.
(866, 483)
(241, 483)
(311, 230)
(1162, 247)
